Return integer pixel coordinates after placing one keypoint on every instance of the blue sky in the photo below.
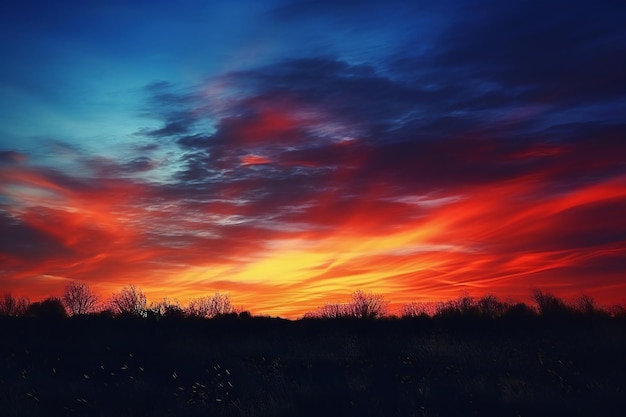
(265, 132)
(76, 64)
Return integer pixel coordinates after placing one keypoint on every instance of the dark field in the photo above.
(234, 366)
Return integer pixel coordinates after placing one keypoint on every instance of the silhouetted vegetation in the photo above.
(11, 306)
(362, 306)
(49, 309)
(166, 309)
(414, 310)
(79, 298)
(130, 301)
(210, 306)
(464, 357)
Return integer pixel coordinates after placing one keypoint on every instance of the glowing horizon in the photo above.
(290, 167)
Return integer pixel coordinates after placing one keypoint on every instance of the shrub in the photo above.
(130, 301)
(587, 306)
(50, 308)
(413, 310)
(367, 305)
(490, 306)
(549, 304)
(166, 309)
(210, 306)
(330, 311)
(518, 311)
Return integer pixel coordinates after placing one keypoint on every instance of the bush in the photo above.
(367, 305)
(210, 306)
(549, 304)
(50, 308)
(463, 306)
(490, 306)
(518, 311)
(330, 311)
(130, 301)
(363, 306)
(166, 309)
(414, 310)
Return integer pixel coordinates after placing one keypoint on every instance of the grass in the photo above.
(269, 367)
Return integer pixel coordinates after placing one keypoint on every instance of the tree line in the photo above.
(79, 299)
(373, 306)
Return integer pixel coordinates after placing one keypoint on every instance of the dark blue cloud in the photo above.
(555, 53)
(11, 157)
(439, 134)
(27, 243)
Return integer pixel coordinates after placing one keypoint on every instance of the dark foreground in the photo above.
(99, 366)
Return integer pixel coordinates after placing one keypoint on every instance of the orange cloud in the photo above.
(504, 238)
(254, 160)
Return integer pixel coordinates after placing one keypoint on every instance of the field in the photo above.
(242, 366)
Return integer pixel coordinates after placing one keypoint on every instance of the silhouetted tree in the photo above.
(463, 306)
(466, 305)
(367, 305)
(617, 311)
(330, 311)
(11, 306)
(363, 305)
(166, 309)
(518, 311)
(129, 301)
(50, 308)
(586, 305)
(210, 306)
(79, 299)
(490, 306)
(414, 309)
(246, 315)
(549, 304)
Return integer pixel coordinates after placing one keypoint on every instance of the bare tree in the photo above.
(585, 304)
(414, 309)
(79, 299)
(367, 305)
(330, 311)
(335, 310)
(363, 305)
(129, 301)
(490, 306)
(549, 304)
(11, 306)
(210, 306)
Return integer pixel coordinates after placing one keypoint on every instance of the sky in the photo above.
(289, 153)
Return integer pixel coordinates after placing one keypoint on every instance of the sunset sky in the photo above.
(289, 153)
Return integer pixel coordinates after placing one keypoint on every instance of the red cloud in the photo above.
(254, 160)
(288, 256)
